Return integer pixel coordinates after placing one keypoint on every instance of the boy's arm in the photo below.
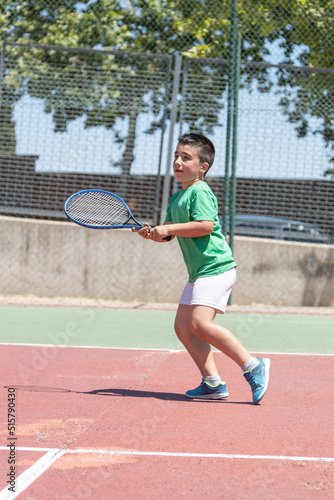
(146, 230)
(192, 229)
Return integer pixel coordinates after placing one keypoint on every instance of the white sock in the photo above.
(213, 381)
(250, 364)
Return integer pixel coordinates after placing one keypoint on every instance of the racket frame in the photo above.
(137, 224)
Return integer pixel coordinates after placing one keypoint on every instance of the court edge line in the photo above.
(157, 349)
(34, 472)
(57, 453)
(206, 455)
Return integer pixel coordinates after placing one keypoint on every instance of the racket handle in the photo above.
(167, 238)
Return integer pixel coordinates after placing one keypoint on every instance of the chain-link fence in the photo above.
(77, 115)
(95, 94)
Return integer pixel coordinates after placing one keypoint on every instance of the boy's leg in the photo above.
(203, 327)
(199, 349)
(257, 374)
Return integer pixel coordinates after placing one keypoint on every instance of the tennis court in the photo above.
(100, 410)
(93, 98)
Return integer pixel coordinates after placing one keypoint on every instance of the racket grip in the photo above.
(167, 238)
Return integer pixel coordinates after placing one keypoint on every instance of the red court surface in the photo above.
(111, 423)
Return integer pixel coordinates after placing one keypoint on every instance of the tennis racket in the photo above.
(100, 209)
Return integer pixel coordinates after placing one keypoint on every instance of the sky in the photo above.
(268, 146)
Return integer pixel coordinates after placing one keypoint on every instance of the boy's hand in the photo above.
(159, 233)
(144, 231)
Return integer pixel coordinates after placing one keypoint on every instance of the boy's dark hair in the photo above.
(203, 145)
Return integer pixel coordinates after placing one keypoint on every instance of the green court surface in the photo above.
(131, 328)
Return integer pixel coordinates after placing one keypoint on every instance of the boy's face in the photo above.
(187, 166)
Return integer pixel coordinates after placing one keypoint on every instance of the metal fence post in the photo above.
(234, 143)
(2, 70)
(173, 116)
(163, 129)
(231, 75)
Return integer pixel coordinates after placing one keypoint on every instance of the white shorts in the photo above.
(210, 291)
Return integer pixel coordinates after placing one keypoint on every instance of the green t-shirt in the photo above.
(206, 255)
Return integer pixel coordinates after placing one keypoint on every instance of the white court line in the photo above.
(96, 347)
(52, 454)
(34, 472)
(159, 349)
(204, 455)
(173, 454)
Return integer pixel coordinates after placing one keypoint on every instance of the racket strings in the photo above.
(98, 209)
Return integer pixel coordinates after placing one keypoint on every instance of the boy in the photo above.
(192, 216)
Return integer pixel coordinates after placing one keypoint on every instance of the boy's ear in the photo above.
(205, 167)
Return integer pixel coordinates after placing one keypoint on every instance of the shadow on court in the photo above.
(164, 396)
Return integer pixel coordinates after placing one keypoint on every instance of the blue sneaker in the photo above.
(258, 378)
(206, 391)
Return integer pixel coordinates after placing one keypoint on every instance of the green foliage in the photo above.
(303, 30)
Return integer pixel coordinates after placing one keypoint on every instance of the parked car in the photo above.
(279, 229)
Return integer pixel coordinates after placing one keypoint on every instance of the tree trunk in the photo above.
(7, 131)
(128, 156)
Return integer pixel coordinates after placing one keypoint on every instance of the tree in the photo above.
(310, 94)
(194, 28)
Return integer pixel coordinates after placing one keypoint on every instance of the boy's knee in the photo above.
(178, 328)
(198, 328)
(181, 332)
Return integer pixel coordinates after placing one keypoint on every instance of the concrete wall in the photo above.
(52, 259)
